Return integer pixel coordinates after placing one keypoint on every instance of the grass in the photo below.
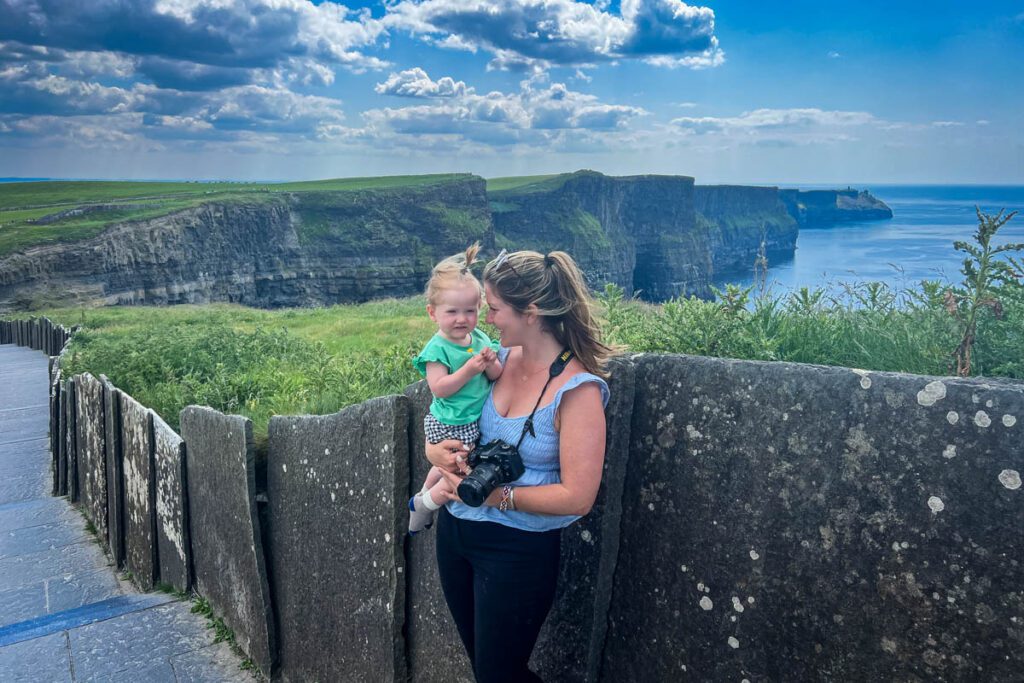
(222, 633)
(527, 183)
(23, 204)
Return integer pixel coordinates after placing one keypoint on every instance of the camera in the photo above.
(493, 464)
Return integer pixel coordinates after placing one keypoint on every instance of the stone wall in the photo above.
(759, 521)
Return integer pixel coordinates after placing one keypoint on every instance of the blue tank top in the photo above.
(540, 455)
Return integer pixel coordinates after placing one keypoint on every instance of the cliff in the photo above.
(282, 249)
(638, 232)
(302, 244)
(737, 219)
(825, 207)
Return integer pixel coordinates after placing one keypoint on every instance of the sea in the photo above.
(915, 244)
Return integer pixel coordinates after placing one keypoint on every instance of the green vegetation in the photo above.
(222, 633)
(47, 212)
(528, 183)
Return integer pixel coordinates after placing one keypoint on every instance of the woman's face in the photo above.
(510, 323)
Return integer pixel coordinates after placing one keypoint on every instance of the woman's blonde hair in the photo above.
(453, 271)
(555, 285)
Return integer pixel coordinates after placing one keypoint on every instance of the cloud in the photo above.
(832, 54)
(537, 34)
(172, 38)
(780, 127)
(540, 114)
(416, 83)
(947, 124)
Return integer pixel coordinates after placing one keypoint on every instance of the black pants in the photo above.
(499, 583)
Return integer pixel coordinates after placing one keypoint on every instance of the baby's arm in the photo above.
(444, 383)
(494, 366)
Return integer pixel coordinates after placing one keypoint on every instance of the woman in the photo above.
(498, 563)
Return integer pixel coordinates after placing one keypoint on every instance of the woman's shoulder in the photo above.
(579, 377)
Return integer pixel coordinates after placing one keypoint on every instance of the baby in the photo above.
(459, 363)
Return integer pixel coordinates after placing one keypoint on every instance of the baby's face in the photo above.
(456, 312)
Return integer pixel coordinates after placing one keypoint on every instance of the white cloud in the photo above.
(781, 126)
(832, 54)
(537, 34)
(947, 124)
(416, 83)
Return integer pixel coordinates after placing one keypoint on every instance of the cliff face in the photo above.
(826, 207)
(737, 218)
(638, 232)
(286, 250)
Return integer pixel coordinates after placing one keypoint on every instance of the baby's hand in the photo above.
(476, 364)
(488, 354)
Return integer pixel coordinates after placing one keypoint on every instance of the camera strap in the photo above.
(556, 369)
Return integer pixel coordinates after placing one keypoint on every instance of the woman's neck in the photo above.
(541, 352)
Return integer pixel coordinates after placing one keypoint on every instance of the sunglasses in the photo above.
(502, 260)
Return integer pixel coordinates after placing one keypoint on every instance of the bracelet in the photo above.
(512, 497)
(506, 495)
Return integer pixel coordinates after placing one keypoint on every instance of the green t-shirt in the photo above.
(464, 405)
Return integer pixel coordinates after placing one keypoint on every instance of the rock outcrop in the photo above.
(638, 232)
(826, 207)
(661, 236)
(297, 249)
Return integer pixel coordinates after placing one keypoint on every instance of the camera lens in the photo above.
(475, 488)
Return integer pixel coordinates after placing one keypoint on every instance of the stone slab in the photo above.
(436, 654)
(92, 451)
(173, 543)
(791, 522)
(115, 471)
(27, 485)
(41, 659)
(71, 439)
(227, 547)
(140, 542)
(56, 594)
(212, 664)
(571, 643)
(62, 440)
(336, 491)
(55, 440)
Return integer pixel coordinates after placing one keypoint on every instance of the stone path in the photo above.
(64, 614)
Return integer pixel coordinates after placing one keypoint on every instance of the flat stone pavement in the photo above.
(64, 613)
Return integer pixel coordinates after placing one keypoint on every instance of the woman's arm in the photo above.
(443, 383)
(581, 444)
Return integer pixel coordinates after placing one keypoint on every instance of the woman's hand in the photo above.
(453, 480)
(448, 455)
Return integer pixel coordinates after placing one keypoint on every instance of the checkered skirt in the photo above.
(437, 431)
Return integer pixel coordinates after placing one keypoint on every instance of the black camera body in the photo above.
(493, 464)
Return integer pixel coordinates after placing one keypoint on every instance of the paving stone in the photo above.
(42, 537)
(27, 486)
(173, 543)
(227, 548)
(435, 651)
(213, 663)
(33, 661)
(336, 491)
(22, 603)
(136, 642)
(81, 588)
(92, 451)
(139, 492)
(22, 570)
(791, 522)
(34, 512)
(115, 471)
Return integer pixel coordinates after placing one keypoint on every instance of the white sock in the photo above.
(428, 502)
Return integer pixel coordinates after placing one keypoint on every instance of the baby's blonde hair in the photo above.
(453, 271)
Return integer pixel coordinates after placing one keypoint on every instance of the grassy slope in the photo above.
(21, 203)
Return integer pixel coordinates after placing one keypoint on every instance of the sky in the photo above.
(731, 91)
